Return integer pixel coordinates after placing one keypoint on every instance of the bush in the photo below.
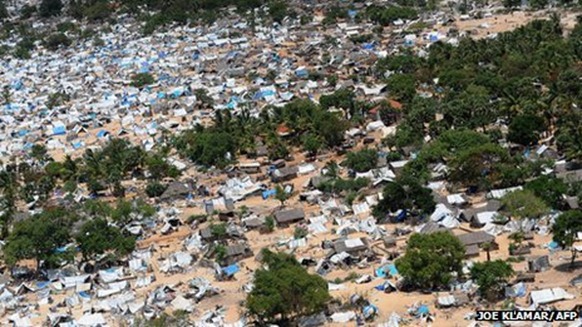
(299, 232)
(431, 260)
(141, 80)
(270, 223)
(155, 189)
(337, 186)
(21, 53)
(54, 41)
(153, 22)
(193, 218)
(66, 26)
(27, 11)
(98, 11)
(362, 160)
(286, 289)
(49, 8)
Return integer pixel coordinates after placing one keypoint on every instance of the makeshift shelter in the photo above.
(289, 216)
(473, 242)
(176, 190)
(549, 295)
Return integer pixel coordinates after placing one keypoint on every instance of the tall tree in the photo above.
(566, 229)
(285, 290)
(49, 8)
(491, 276)
(97, 237)
(431, 259)
(39, 237)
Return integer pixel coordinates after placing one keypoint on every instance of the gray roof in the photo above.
(472, 249)
(343, 245)
(254, 222)
(237, 249)
(285, 172)
(476, 238)
(432, 227)
(570, 176)
(290, 215)
(176, 189)
(572, 202)
(492, 205)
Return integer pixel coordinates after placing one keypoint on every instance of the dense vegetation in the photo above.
(285, 290)
(431, 260)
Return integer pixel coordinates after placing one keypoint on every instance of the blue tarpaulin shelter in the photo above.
(301, 73)
(422, 310)
(269, 193)
(517, 290)
(231, 270)
(553, 245)
(389, 268)
(59, 130)
(78, 145)
(400, 216)
(102, 133)
(84, 294)
(368, 46)
(41, 285)
(370, 311)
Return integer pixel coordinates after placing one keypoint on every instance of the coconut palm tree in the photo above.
(487, 247)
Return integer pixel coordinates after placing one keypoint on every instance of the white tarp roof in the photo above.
(91, 320)
(550, 295)
(498, 194)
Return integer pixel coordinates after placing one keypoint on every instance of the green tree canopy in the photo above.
(566, 228)
(478, 166)
(97, 237)
(491, 276)
(525, 129)
(48, 8)
(285, 290)
(549, 189)
(361, 161)
(405, 194)
(431, 259)
(39, 237)
(524, 204)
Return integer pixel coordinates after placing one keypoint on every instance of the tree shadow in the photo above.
(568, 268)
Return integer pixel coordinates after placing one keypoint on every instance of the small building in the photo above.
(570, 176)
(389, 241)
(475, 216)
(352, 246)
(289, 216)
(176, 190)
(237, 252)
(473, 242)
(254, 222)
(432, 227)
(284, 174)
(538, 263)
(250, 167)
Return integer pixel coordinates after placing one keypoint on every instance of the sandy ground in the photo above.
(480, 28)
(232, 294)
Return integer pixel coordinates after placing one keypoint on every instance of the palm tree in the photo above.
(332, 169)
(281, 195)
(487, 246)
(9, 187)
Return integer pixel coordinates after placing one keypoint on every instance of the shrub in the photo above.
(54, 41)
(49, 8)
(155, 189)
(141, 80)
